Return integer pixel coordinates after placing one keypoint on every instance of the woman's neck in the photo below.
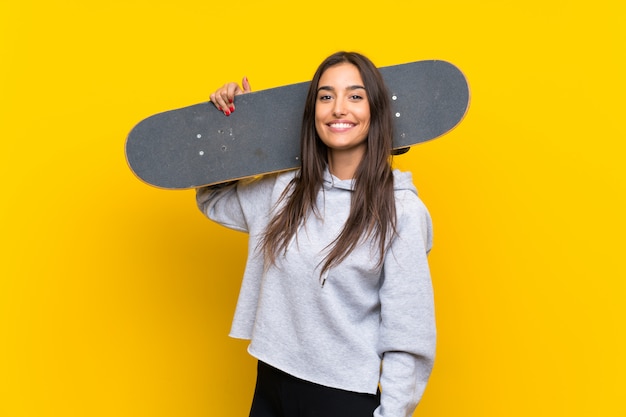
(343, 164)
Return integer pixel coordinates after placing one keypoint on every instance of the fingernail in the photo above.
(220, 108)
(227, 113)
(232, 109)
(230, 101)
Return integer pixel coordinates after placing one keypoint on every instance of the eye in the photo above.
(325, 97)
(356, 97)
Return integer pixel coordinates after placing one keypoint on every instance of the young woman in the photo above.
(336, 297)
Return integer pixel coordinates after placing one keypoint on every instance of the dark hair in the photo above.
(372, 211)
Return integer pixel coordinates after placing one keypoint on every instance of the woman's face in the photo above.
(342, 111)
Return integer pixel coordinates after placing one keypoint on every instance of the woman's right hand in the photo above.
(224, 97)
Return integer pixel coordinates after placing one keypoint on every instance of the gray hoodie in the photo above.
(337, 334)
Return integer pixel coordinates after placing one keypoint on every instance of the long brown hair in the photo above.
(372, 210)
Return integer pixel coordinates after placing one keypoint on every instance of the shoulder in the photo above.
(405, 192)
(413, 217)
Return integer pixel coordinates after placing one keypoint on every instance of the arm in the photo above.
(407, 338)
(220, 202)
(239, 205)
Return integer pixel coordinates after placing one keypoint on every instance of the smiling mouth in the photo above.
(341, 125)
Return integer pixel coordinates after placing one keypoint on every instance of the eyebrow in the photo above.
(349, 88)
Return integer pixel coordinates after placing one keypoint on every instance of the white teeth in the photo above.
(341, 125)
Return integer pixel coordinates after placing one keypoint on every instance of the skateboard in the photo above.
(198, 145)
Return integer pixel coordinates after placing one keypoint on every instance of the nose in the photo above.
(339, 108)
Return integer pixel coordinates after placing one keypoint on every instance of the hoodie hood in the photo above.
(402, 181)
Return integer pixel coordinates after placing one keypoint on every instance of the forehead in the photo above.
(341, 75)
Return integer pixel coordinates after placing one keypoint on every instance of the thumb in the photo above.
(246, 85)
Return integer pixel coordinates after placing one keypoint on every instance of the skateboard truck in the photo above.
(400, 151)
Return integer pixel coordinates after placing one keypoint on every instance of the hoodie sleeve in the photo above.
(237, 205)
(407, 335)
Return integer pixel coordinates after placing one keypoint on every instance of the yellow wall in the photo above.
(116, 298)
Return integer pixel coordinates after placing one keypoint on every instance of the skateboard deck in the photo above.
(198, 145)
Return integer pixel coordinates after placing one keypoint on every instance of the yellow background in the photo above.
(116, 298)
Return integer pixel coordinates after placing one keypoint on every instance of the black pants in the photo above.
(278, 394)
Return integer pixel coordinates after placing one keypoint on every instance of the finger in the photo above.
(245, 83)
(218, 100)
(232, 90)
(228, 96)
